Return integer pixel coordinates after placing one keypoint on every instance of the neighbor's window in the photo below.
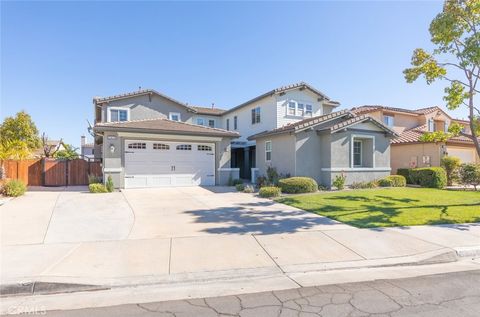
(204, 148)
(426, 160)
(137, 145)
(228, 124)
(357, 153)
(235, 123)
(117, 115)
(200, 121)
(300, 109)
(291, 108)
(268, 151)
(308, 110)
(446, 125)
(184, 147)
(161, 146)
(256, 115)
(388, 120)
(431, 125)
(174, 116)
(211, 123)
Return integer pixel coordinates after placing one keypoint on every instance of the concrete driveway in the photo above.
(145, 235)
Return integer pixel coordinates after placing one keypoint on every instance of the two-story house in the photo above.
(407, 150)
(148, 139)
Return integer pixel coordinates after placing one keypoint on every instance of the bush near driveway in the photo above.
(297, 185)
(386, 207)
(267, 192)
(392, 181)
(405, 172)
(14, 188)
(97, 188)
(432, 177)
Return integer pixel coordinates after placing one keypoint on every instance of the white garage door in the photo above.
(466, 155)
(165, 164)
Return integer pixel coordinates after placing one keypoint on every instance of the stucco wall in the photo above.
(402, 154)
(283, 154)
(310, 154)
(142, 108)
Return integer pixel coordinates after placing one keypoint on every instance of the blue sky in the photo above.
(56, 56)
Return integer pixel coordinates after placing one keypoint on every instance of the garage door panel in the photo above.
(182, 164)
(465, 155)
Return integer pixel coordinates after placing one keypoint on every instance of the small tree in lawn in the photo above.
(470, 174)
(451, 164)
(68, 153)
(456, 34)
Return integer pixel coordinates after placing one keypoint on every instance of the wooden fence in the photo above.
(51, 172)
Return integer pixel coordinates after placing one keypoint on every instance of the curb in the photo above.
(46, 288)
(468, 252)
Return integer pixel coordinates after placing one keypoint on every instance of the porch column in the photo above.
(246, 162)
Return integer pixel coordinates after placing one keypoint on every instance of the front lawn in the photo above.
(392, 206)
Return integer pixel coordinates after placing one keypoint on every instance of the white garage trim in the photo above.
(159, 163)
(169, 137)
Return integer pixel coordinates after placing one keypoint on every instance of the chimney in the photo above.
(82, 140)
(213, 105)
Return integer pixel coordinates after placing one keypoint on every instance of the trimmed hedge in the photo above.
(14, 188)
(97, 188)
(385, 182)
(267, 192)
(432, 177)
(405, 172)
(297, 185)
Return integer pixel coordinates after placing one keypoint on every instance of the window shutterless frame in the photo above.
(118, 114)
(268, 151)
(174, 116)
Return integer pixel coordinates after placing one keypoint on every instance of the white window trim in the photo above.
(389, 116)
(259, 115)
(109, 117)
(361, 152)
(170, 114)
(200, 118)
(433, 125)
(361, 136)
(304, 103)
(271, 148)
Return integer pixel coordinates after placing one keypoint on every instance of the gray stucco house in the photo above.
(148, 139)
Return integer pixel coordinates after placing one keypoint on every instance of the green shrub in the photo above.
(322, 187)
(270, 191)
(296, 185)
(362, 185)
(470, 174)
(109, 184)
(339, 181)
(94, 179)
(249, 189)
(237, 181)
(451, 164)
(385, 182)
(97, 188)
(405, 172)
(261, 181)
(272, 176)
(432, 177)
(397, 180)
(14, 188)
(240, 187)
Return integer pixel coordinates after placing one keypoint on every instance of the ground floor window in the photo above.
(268, 151)
(357, 153)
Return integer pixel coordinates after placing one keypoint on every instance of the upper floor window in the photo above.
(228, 124)
(388, 120)
(431, 125)
(117, 115)
(300, 109)
(256, 115)
(292, 105)
(200, 121)
(268, 151)
(235, 123)
(211, 123)
(174, 116)
(308, 110)
(446, 125)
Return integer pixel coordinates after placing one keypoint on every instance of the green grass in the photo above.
(392, 207)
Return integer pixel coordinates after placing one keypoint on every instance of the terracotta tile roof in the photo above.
(372, 108)
(301, 85)
(413, 135)
(428, 110)
(164, 126)
(359, 119)
(304, 124)
(208, 111)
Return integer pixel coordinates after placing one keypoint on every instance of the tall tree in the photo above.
(20, 128)
(455, 59)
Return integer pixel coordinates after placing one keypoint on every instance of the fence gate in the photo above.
(55, 172)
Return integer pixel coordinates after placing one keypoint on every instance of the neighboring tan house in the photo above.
(148, 139)
(407, 151)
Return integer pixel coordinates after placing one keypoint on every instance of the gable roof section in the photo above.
(360, 119)
(162, 125)
(100, 100)
(304, 124)
(422, 111)
(279, 90)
